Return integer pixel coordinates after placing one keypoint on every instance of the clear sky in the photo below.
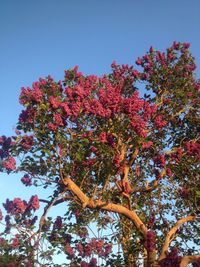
(42, 37)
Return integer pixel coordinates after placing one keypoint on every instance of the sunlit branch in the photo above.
(46, 209)
(189, 259)
(171, 234)
(98, 204)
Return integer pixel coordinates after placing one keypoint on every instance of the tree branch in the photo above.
(149, 188)
(57, 202)
(189, 259)
(171, 234)
(46, 209)
(98, 204)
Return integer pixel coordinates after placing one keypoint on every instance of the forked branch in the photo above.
(98, 204)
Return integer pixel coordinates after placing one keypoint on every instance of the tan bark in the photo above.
(151, 259)
(171, 234)
(130, 214)
(189, 259)
(145, 256)
(98, 204)
(126, 242)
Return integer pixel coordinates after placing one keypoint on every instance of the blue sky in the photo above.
(44, 37)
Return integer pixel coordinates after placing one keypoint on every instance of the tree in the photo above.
(122, 160)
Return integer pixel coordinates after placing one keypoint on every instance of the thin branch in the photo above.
(171, 234)
(42, 219)
(61, 200)
(46, 209)
(149, 187)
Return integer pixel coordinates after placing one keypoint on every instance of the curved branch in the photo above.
(124, 211)
(149, 187)
(189, 259)
(46, 210)
(98, 204)
(171, 234)
(57, 202)
(50, 203)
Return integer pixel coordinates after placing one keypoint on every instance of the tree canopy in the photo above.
(122, 152)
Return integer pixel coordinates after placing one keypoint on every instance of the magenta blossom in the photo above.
(34, 203)
(9, 164)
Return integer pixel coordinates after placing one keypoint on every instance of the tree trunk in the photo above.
(151, 259)
(126, 242)
(128, 256)
(130, 261)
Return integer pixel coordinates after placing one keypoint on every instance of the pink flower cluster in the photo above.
(58, 120)
(34, 203)
(160, 160)
(5, 142)
(58, 223)
(92, 263)
(27, 116)
(139, 111)
(159, 122)
(169, 172)
(9, 164)
(172, 259)
(154, 59)
(97, 246)
(109, 100)
(26, 180)
(150, 240)
(7, 161)
(193, 149)
(89, 162)
(69, 250)
(73, 74)
(177, 156)
(147, 145)
(103, 137)
(26, 142)
(29, 222)
(52, 127)
(125, 73)
(28, 95)
(183, 192)
(54, 102)
(151, 221)
(107, 138)
(117, 160)
(18, 206)
(15, 242)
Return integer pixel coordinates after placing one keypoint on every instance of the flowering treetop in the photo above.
(105, 146)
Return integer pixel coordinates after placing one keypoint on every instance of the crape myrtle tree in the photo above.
(123, 160)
